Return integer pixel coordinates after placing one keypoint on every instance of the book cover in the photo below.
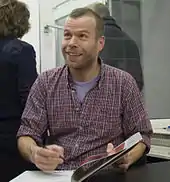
(94, 163)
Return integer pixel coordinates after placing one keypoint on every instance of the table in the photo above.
(160, 141)
(154, 172)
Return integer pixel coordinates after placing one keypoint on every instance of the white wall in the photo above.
(44, 44)
(154, 30)
(32, 36)
(156, 57)
(65, 8)
(41, 14)
(48, 41)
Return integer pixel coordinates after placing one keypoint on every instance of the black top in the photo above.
(155, 172)
(121, 51)
(17, 74)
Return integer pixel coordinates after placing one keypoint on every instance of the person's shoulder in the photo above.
(114, 33)
(17, 46)
(53, 74)
(55, 71)
(128, 40)
(25, 45)
(113, 71)
(120, 76)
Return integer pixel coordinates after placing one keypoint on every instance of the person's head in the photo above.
(14, 18)
(100, 9)
(83, 38)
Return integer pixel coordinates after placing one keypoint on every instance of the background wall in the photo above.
(42, 14)
(156, 57)
(33, 37)
(147, 22)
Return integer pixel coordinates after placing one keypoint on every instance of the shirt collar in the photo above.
(69, 79)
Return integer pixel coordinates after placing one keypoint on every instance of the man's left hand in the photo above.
(124, 163)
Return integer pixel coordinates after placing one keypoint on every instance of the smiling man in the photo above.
(90, 107)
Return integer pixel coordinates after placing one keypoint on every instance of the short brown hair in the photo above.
(14, 18)
(79, 12)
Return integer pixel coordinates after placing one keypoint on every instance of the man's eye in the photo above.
(66, 35)
(83, 36)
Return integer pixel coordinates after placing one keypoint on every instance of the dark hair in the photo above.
(79, 12)
(14, 18)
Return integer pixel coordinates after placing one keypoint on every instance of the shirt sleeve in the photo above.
(34, 117)
(135, 117)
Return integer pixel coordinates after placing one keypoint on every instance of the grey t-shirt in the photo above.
(83, 87)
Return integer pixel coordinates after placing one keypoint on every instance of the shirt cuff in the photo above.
(26, 131)
(147, 142)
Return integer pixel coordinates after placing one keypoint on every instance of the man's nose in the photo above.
(73, 41)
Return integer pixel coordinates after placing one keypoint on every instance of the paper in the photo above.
(39, 176)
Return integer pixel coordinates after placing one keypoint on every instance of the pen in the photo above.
(51, 139)
(45, 146)
(165, 128)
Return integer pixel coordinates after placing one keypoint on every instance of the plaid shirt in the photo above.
(110, 112)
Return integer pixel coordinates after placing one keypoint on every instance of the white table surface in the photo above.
(38, 176)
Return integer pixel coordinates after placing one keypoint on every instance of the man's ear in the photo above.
(101, 43)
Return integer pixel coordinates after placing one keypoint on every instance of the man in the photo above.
(88, 106)
(120, 50)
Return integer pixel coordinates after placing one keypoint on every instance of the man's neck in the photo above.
(84, 75)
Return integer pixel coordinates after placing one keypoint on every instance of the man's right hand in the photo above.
(47, 159)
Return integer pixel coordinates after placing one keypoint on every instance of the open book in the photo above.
(88, 168)
(97, 162)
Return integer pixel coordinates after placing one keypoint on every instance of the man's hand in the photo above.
(47, 159)
(124, 162)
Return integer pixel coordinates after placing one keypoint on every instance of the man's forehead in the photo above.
(83, 22)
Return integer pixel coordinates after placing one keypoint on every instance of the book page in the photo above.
(133, 140)
(39, 176)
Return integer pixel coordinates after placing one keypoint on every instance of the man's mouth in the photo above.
(73, 54)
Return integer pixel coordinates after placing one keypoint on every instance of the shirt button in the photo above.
(76, 145)
(77, 109)
(81, 128)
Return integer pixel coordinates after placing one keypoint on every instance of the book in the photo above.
(87, 168)
(95, 163)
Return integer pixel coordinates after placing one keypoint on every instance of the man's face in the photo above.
(80, 45)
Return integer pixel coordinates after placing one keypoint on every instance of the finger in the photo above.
(48, 160)
(124, 167)
(121, 161)
(51, 162)
(47, 153)
(57, 149)
(110, 147)
(46, 167)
